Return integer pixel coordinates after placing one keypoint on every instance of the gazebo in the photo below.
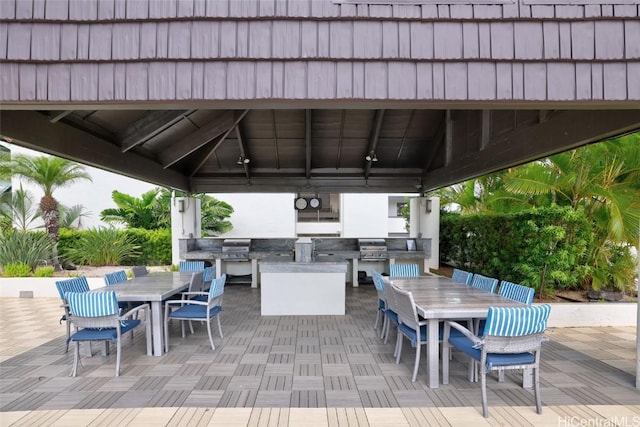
(316, 95)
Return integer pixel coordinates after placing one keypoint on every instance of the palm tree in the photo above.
(49, 173)
(214, 212)
(20, 209)
(135, 212)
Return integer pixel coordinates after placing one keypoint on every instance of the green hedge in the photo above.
(542, 248)
(154, 245)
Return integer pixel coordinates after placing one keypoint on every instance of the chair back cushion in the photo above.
(523, 294)
(93, 304)
(209, 274)
(115, 277)
(217, 287)
(404, 270)
(485, 283)
(517, 321)
(378, 281)
(77, 284)
(191, 266)
(461, 276)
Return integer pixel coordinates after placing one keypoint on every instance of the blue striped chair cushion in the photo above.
(115, 277)
(93, 304)
(216, 289)
(523, 294)
(404, 270)
(461, 276)
(486, 283)
(77, 284)
(104, 334)
(378, 281)
(193, 311)
(191, 266)
(517, 321)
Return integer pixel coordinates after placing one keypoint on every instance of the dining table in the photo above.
(153, 288)
(438, 298)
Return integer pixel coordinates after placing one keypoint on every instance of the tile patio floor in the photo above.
(296, 371)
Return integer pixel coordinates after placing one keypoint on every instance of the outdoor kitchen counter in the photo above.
(302, 288)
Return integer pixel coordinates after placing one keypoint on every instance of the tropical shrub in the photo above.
(154, 246)
(101, 246)
(44, 271)
(30, 248)
(543, 248)
(17, 269)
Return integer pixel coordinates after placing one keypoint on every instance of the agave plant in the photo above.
(31, 248)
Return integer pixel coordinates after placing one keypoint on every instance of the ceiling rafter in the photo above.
(150, 125)
(195, 140)
(275, 139)
(340, 138)
(404, 137)
(202, 160)
(373, 140)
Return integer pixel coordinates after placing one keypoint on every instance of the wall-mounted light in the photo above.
(180, 206)
(371, 157)
(428, 205)
(242, 160)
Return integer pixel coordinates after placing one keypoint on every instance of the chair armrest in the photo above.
(195, 293)
(140, 307)
(466, 332)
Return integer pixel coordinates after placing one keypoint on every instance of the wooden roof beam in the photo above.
(149, 126)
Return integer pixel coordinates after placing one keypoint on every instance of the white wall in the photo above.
(94, 196)
(364, 215)
(261, 215)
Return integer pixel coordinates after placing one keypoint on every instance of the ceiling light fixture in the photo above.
(371, 157)
(242, 160)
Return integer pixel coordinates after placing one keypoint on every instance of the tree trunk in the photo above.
(51, 218)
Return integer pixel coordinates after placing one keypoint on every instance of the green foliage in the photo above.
(44, 271)
(31, 248)
(17, 269)
(153, 246)
(20, 209)
(101, 246)
(152, 211)
(542, 248)
(175, 267)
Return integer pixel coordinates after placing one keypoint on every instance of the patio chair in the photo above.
(523, 294)
(404, 270)
(190, 266)
(511, 340)
(209, 274)
(485, 283)
(139, 270)
(190, 309)
(77, 284)
(461, 276)
(410, 325)
(96, 317)
(378, 282)
(390, 312)
(114, 278)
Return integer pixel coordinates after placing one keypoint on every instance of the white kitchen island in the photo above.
(301, 288)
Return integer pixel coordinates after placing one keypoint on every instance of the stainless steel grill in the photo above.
(235, 249)
(372, 249)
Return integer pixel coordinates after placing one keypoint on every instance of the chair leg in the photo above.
(536, 388)
(76, 358)
(483, 387)
(385, 321)
(398, 351)
(375, 326)
(191, 327)
(68, 324)
(166, 331)
(386, 335)
(219, 326)
(416, 364)
(118, 351)
(213, 347)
